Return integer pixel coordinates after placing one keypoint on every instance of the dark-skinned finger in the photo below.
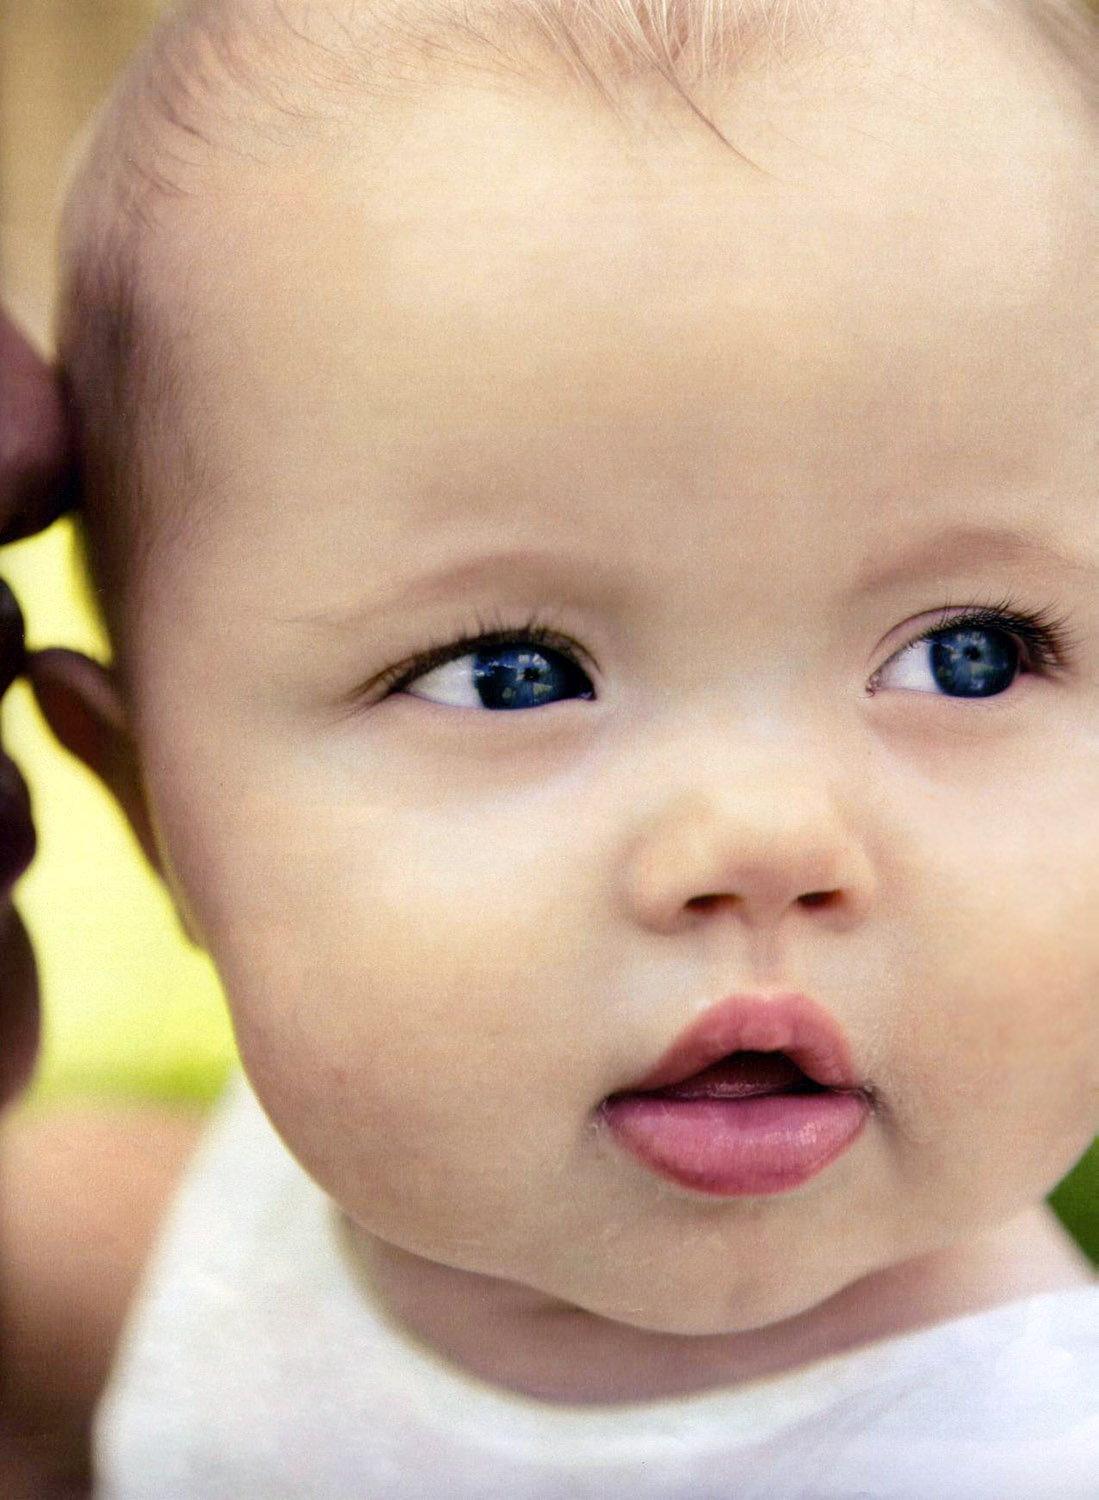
(13, 645)
(36, 449)
(19, 1007)
(17, 836)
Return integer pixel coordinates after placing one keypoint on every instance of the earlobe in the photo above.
(80, 701)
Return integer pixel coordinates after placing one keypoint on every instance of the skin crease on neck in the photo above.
(740, 433)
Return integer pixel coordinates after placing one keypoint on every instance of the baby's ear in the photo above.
(80, 701)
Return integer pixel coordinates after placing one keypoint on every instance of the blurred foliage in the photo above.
(1076, 1202)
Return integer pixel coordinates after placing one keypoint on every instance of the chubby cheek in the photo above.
(996, 1072)
(429, 1009)
(408, 996)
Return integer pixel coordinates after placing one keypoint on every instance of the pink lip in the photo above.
(722, 1143)
(793, 1024)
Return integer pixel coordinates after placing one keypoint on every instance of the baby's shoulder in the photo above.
(83, 1189)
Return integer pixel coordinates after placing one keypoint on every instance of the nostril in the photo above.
(711, 899)
(703, 903)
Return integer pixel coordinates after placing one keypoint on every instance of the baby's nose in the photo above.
(759, 851)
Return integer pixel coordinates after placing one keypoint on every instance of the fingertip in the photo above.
(13, 645)
(37, 471)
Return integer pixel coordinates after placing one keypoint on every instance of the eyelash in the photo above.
(1047, 643)
(1046, 640)
(488, 633)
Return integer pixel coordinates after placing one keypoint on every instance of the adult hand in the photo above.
(35, 456)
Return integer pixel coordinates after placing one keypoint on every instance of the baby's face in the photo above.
(704, 450)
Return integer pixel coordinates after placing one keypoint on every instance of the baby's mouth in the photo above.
(756, 1096)
(742, 1075)
(750, 1123)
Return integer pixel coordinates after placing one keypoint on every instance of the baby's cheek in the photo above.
(987, 1053)
(997, 1092)
(395, 988)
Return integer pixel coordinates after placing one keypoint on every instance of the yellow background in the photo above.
(129, 1006)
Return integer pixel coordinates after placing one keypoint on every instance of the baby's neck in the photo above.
(524, 1341)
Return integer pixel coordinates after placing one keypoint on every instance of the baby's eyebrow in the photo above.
(522, 568)
(963, 546)
(948, 549)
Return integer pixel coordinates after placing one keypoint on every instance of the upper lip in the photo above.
(789, 1023)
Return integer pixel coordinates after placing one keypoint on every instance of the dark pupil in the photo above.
(974, 663)
(525, 677)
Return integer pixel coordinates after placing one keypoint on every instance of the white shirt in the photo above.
(258, 1366)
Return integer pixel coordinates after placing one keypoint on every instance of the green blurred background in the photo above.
(131, 1009)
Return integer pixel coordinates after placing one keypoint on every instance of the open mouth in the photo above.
(743, 1075)
(755, 1097)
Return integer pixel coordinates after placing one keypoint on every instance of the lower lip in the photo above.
(768, 1143)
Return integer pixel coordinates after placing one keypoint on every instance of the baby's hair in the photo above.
(260, 78)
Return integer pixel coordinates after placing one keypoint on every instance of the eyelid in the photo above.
(1047, 642)
(534, 630)
(1044, 635)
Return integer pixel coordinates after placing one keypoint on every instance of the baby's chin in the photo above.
(732, 1305)
(655, 1299)
(721, 1293)
(627, 1338)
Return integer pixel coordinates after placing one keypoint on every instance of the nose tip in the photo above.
(759, 860)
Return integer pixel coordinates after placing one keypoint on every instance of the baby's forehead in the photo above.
(467, 155)
(256, 77)
(955, 86)
(457, 326)
(980, 167)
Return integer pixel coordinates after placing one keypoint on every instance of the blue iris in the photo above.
(968, 663)
(526, 677)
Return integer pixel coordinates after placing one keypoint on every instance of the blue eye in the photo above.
(973, 663)
(958, 663)
(978, 655)
(506, 675)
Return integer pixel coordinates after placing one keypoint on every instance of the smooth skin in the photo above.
(738, 436)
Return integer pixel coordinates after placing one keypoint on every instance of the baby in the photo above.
(595, 507)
